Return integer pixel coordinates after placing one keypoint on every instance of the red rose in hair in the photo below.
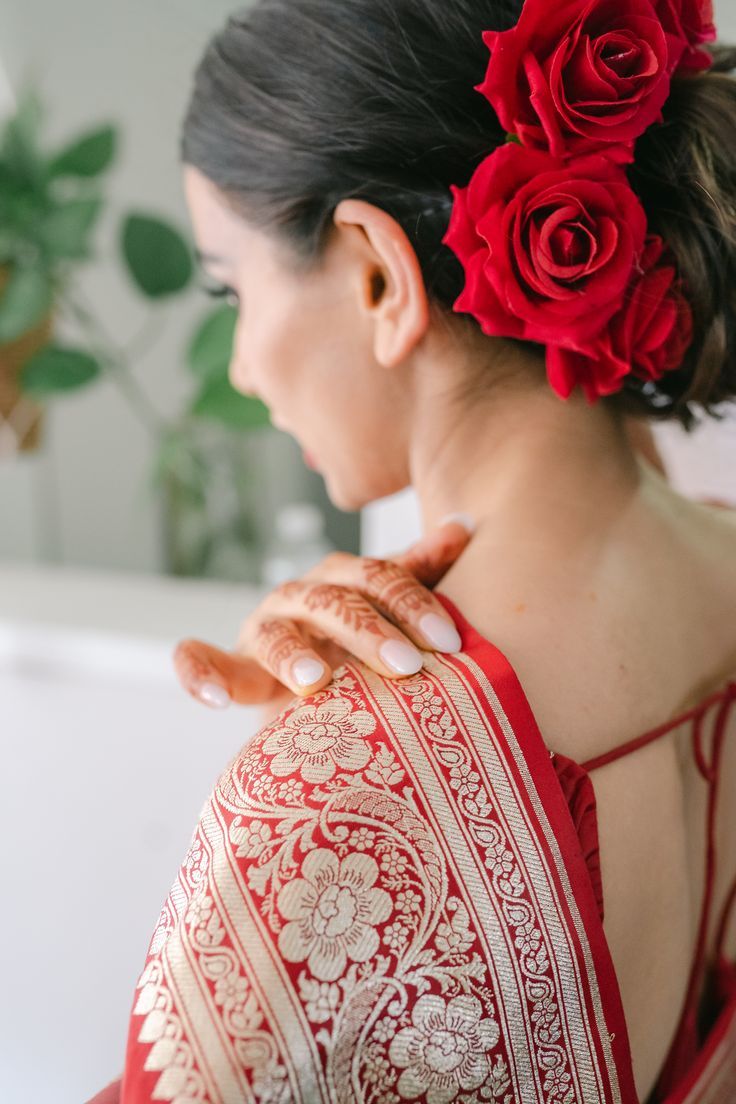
(648, 336)
(693, 21)
(548, 247)
(579, 75)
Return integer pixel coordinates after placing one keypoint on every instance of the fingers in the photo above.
(430, 558)
(333, 611)
(217, 678)
(378, 610)
(281, 646)
(400, 599)
(379, 613)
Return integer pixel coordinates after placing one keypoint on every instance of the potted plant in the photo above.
(50, 204)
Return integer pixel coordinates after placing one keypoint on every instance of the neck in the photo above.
(534, 471)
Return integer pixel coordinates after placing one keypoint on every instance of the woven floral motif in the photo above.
(369, 911)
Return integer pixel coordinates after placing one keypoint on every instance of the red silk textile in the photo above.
(393, 894)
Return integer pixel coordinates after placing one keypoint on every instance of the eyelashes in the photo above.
(222, 292)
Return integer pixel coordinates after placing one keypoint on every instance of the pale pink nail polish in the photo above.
(401, 657)
(307, 671)
(213, 695)
(440, 633)
(465, 520)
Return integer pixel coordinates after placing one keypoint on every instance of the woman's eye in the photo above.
(223, 292)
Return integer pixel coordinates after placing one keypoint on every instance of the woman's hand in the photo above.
(346, 606)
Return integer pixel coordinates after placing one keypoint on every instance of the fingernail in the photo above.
(213, 695)
(465, 520)
(440, 633)
(401, 657)
(307, 671)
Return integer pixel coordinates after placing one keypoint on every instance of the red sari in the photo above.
(393, 894)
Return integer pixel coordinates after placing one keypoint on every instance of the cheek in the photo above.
(315, 370)
(291, 356)
(265, 354)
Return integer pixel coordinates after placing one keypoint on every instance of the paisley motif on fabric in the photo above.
(374, 909)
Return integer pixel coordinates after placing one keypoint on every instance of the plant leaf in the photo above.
(20, 137)
(220, 402)
(180, 466)
(211, 349)
(158, 258)
(87, 156)
(66, 230)
(56, 368)
(25, 301)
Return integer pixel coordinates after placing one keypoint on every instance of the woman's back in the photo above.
(608, 644)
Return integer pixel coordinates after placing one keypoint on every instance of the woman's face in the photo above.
(311, 347)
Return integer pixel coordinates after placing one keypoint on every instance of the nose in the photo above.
(238, 381)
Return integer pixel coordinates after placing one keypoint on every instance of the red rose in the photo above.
(579, 75)
(548, 247)
(648, 336)
(693, 22)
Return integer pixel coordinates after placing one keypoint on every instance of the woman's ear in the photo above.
(390, 278)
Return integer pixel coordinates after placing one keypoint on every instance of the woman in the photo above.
(467, 241)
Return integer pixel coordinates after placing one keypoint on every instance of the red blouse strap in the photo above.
(712, 776)
(727, 694)
(724, 921)
(686, 1033)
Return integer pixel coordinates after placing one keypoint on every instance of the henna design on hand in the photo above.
(351, 608)
(395, 591)
(276, 642)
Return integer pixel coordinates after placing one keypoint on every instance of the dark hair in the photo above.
(298, 104)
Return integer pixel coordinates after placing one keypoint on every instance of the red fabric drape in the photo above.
(385, 893)
(394, 892)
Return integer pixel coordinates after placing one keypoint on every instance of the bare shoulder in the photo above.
(613, 637)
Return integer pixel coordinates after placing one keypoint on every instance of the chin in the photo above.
(341, 499)
(349, 499)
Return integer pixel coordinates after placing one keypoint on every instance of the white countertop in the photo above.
(106, 764)
(74, 617)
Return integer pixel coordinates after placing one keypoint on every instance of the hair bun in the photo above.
(685, 174)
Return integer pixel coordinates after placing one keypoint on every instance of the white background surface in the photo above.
(106, 765)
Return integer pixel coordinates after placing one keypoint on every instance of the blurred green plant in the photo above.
(50, 207)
